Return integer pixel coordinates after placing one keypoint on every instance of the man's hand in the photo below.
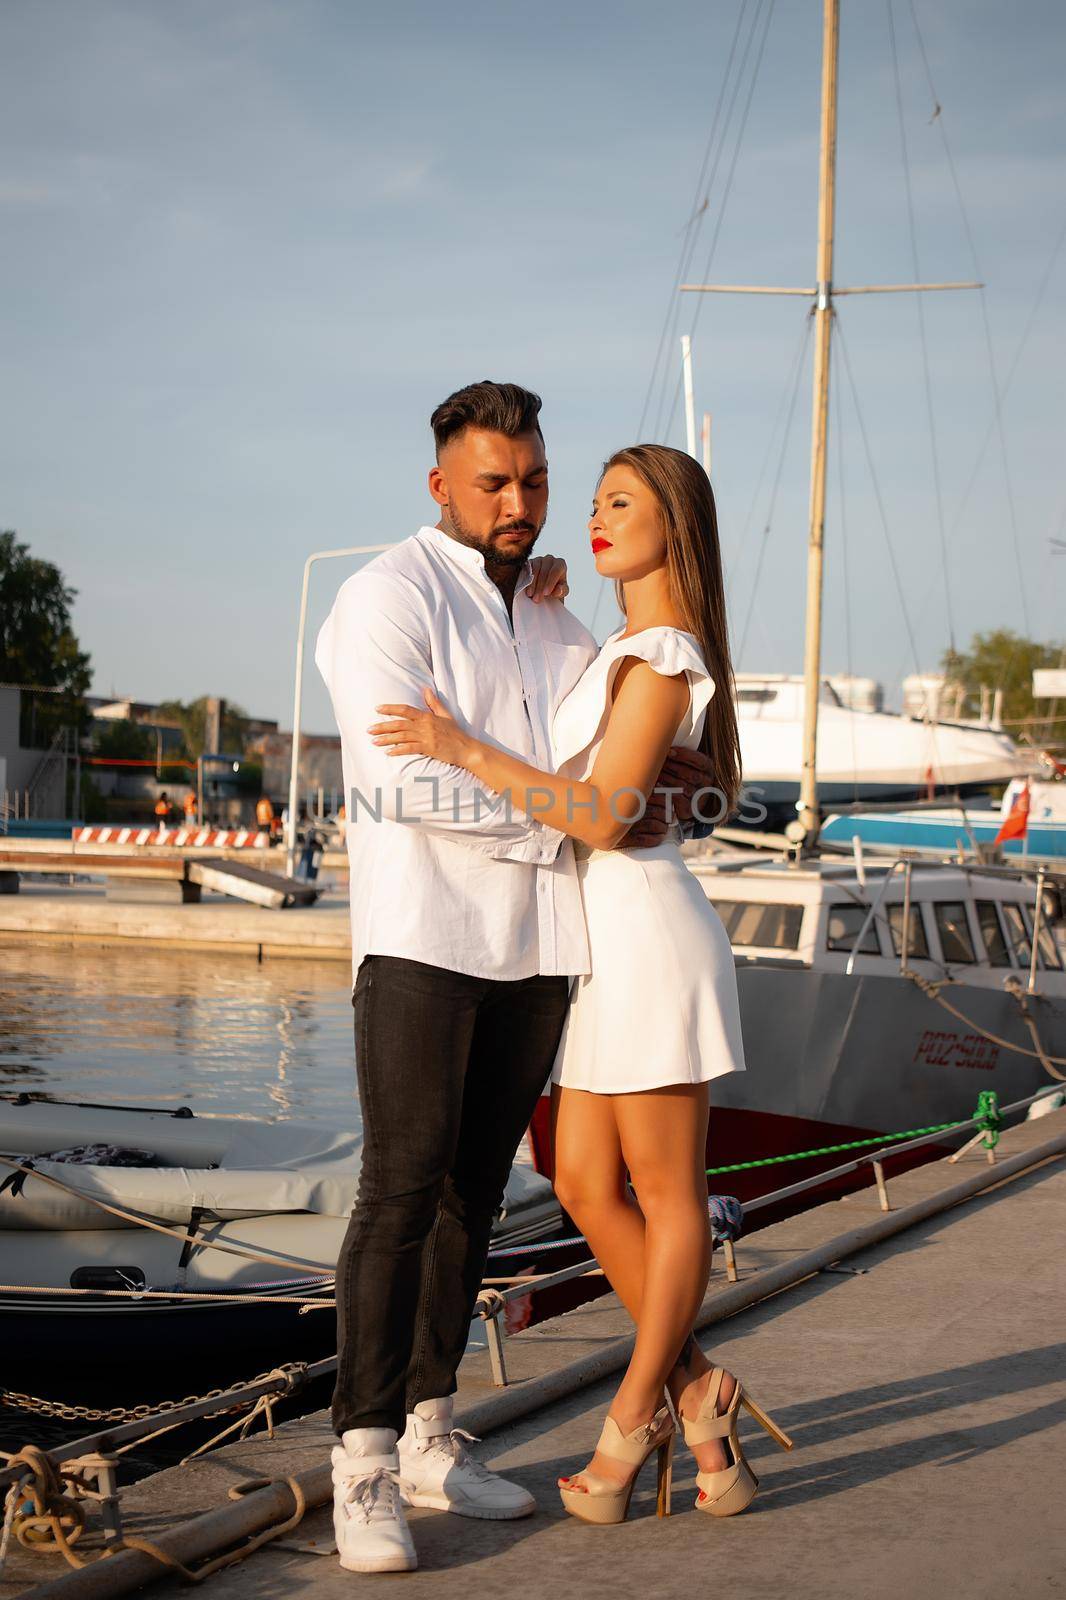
(684, 771)
(549, 578)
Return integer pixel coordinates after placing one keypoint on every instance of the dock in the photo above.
(55, 914)
(920, 1373)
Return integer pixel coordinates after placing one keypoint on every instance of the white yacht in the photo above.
(862, 755)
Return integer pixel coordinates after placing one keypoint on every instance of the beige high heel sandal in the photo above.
(732, 1489)
(604, 1500)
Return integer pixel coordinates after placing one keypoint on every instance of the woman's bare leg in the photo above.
(666, 1139)
(590, 1182)
(663, 1135)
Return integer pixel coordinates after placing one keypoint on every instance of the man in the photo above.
(467, 930)
(264, 816)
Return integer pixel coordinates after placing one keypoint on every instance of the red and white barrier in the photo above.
(209, 838)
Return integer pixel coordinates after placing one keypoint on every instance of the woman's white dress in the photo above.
(660, 1004)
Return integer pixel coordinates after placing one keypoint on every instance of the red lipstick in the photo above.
(600, 544)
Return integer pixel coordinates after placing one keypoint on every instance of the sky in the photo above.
(249, 245)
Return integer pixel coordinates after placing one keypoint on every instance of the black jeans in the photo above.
(450, 1068)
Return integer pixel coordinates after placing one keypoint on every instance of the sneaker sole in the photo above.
(400, 1563)
(440, 1502)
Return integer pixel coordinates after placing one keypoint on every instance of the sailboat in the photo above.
(871, 756)
(876, 996)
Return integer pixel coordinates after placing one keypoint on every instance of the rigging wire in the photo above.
(735, 90)
(785, 437)
(719, 129)
(1038, 301)
(878, 496)
(920, 307)
(980, 457)
(880, 501)
(939, 119)
(720, 218)
(732, 571)
(692, 227)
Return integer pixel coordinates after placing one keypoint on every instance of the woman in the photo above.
(658, 1016)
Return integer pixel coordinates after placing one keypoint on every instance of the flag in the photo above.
(1016, 822)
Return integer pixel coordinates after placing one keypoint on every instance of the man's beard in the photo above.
(488, 544)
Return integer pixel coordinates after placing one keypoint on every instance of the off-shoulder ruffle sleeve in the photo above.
(670, 652)
(582, 717)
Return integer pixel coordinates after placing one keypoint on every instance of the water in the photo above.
(222, 1034)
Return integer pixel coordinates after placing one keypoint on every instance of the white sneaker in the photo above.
(437, 1470)
(368, 1520)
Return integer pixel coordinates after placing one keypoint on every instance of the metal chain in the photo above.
(56, 1408)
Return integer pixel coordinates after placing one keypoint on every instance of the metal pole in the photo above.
(294, 768)
(823, 319)
(705, 434)
(1037, 913)
(690, 398)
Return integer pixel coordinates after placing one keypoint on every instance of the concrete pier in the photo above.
(922, 1379)
(50, 913)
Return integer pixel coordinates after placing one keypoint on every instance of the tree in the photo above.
(193, 719)
(1004, 660)
(124, 740)
(37, 642)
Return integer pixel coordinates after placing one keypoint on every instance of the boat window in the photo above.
(917, 943)
(756, 696)
(1017, 932)
(992, 933)
(955, 939)
(842, 929)
(770, 926)
(1047, 953)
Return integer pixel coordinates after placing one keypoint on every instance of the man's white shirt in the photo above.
(441, 870)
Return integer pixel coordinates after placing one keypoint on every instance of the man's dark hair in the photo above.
(498, 407)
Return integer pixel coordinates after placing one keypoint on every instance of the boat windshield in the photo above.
(917, 943)
(953, 926)
(992, 932)
(842, 929)
(769, 925)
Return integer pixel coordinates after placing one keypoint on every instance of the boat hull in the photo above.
(832, 1059)
(945, 832)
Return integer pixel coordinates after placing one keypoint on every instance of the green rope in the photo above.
(988, 1118)
(853, 1144)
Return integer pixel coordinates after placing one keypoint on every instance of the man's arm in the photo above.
(687, 775)
(373, 647)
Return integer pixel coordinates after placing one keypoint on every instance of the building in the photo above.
(320, 774)
(37, 747)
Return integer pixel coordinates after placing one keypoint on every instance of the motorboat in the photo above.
(863, 755)
(134, 1230)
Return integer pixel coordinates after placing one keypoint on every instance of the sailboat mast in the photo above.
(804, 828)
(823, 322)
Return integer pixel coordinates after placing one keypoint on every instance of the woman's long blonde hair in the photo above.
(694, 567)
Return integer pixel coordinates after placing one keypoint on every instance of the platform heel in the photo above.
(730, 1491)
(605, 1502)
